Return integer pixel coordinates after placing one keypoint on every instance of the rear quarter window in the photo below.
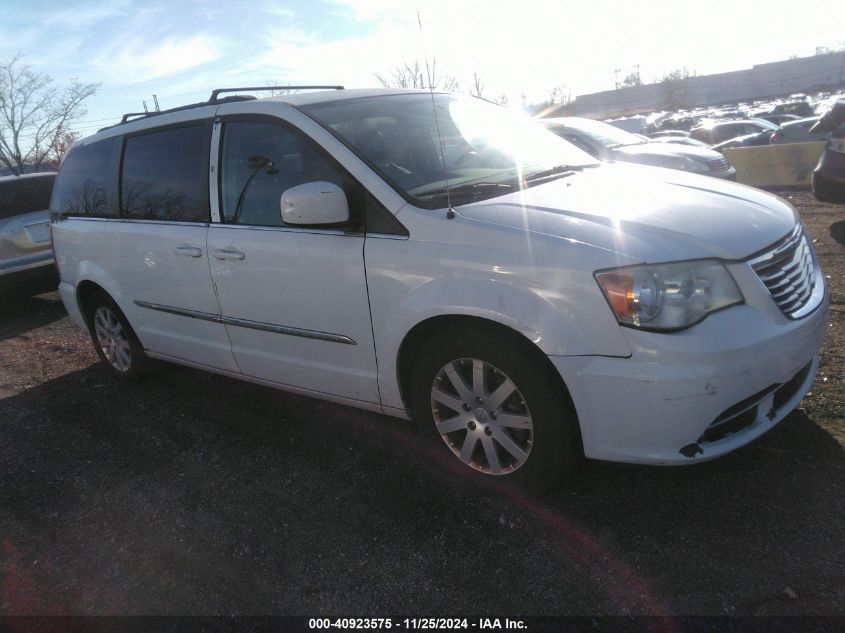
(164, 175)
(82, 186)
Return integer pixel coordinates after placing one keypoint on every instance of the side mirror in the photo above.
(314, 203)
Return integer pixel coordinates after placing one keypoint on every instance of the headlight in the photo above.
(686, 164)
(668, 296)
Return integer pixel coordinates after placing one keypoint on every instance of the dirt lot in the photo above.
(195, 494)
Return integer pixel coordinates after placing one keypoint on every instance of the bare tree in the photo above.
(62, 146)
(35, 118)
(675, 88)
(558, 99)
(632, 79)
(477, 88)
(418, 75)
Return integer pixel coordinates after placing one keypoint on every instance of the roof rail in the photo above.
(216, 99)
(214, 93)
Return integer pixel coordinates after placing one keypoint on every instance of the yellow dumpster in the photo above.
(779, 165)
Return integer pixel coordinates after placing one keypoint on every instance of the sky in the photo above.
(180, 50)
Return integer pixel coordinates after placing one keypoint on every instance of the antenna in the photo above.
(450, 213)
(155, 99)
(145, 105)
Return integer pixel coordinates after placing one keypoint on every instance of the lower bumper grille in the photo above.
(744, 413)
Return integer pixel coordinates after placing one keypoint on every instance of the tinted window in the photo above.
(165, 175)
(25, 194)
(261, 161)
(82, 185)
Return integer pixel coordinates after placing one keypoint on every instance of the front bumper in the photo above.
(744, 369)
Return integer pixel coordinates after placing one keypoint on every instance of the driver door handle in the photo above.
(189, 251)
(225, 253)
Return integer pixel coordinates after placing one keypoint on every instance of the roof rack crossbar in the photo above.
(190, 106)
(216, 92)
(215, 99)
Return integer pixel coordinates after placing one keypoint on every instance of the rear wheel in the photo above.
(496, 409)
(113, 338)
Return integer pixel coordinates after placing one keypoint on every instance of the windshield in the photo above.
(473, 149)
(604, 133)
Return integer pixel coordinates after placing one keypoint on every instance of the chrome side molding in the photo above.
(246, 323)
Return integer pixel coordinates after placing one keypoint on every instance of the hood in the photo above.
(665, 150)
(646, 214)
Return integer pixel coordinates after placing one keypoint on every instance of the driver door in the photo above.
(294, 299)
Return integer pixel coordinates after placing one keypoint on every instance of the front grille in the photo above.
(788, 271)
(719, 164)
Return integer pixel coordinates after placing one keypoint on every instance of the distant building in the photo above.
(762, 81)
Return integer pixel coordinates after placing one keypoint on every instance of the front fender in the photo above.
(558, 307)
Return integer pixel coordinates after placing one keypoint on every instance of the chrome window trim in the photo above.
(246, 323)
(149, 221)
(288, 229)
(388, 236)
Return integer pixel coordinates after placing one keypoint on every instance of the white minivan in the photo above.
(437, 257)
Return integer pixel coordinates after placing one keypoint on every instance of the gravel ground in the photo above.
(196, 494)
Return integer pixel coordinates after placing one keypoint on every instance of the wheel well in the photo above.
(83, 292)
(423, 332)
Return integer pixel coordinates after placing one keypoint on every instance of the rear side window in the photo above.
(165, 175)
(25, 194)
(82, 186)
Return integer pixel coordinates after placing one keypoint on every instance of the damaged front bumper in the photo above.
(698, 394)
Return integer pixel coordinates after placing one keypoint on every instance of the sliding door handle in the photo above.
(225, 253)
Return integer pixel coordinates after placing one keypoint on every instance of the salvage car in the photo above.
(829, 174)
(436, 257)
(798, 131)
(607, 142)
(716, 132)
(25, 252)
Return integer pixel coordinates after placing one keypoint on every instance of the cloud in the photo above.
(136, 61)
(83, 16)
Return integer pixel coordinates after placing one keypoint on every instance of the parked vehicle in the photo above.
(681, 140)
(777, 119)
(671, 133)
(437, 257)
(25, 227)
(829, 174)
(746, 140)
(715, 132)
(798, 131)
(606, 142)
(798, 108)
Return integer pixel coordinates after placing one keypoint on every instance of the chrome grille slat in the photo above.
(788, 272)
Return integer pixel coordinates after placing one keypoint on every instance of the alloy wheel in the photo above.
(482, 416)
(112, 339)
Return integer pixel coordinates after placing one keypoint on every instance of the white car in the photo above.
(436, 257)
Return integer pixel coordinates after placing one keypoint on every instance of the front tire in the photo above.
(495, 408)
(114, 340)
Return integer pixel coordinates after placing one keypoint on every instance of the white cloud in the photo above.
(82, 16)
(137, 61)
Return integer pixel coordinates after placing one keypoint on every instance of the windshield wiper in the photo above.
(470, 189)
(558, 171)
